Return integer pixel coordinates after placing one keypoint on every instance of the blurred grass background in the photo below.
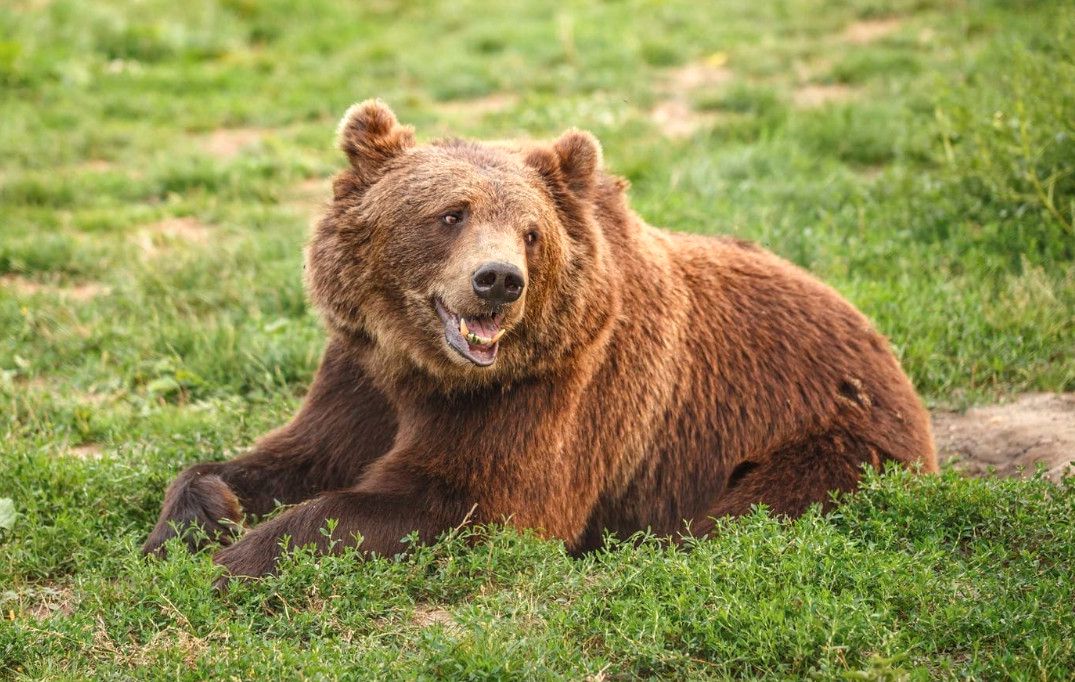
(160, 163)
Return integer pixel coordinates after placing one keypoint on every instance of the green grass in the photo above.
(153, 315)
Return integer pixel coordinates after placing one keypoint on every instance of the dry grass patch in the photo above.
(227, 143)
(96, 166)
(707, 73)
(674, 114)
(155, 238)
(88, 451)
(814, 95)
(42, 602)
(86, 291)
(426, 616)
(139, 655)
(79, 293)
(871, 30)
(677, 119)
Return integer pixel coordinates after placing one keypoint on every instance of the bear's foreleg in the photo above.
(455, 462)
(379, 522)
(343, 426)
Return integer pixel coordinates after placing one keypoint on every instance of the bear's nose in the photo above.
(498, 282)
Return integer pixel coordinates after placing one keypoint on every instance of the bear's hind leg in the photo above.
(792, 479)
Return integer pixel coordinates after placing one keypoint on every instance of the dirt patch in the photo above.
(1012, 438)
(426, 616)
(84, 292)
(79, 293)
(674, 114)
(816, 94)
(870, 30)
(494, 103)
(708, 73)
(140, 655)
(96, 166)
(44, 601)
(86, 451)
(227, 143)
(155, 238)
(677, 119)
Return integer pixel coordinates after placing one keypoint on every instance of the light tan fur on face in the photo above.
(482, 243)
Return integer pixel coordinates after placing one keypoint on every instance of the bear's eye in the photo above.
(531, 237)
(452, 217)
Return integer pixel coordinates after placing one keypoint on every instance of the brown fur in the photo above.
(648, 380)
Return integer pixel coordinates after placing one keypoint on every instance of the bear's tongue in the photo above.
(480, 331)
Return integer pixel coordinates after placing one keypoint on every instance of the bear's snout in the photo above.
(498, 283)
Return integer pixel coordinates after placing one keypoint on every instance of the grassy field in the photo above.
(159, 166)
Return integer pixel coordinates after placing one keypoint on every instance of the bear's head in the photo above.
(470, 262)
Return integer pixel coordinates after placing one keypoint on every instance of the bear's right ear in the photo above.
(370, 136)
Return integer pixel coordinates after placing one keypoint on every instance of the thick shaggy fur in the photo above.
(647, 380)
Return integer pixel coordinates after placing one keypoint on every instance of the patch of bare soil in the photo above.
(674, 114)
(677, 119)
(817, 94)
(79, 293)
(96, 166)
(227, 143)
(169, 639)
(85, 451)
(478, 106)
(83, 292)
(709, 72)
(870, 30)
(152, 239)
(42, 603)
(425, 616)
(1011, 438)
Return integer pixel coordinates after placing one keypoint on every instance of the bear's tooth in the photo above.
(497, 336)
(478, 340)
(463, 330)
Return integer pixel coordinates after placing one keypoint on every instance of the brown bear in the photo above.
(509, 342)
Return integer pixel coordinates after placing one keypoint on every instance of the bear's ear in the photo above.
(574, 160)
(370, 136)
(580, 160)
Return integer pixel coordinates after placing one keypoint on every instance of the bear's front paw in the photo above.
(200, 508)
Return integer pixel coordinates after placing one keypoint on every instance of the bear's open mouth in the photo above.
(476, 337)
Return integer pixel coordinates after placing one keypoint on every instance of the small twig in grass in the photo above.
(177, 611)
(466, 519)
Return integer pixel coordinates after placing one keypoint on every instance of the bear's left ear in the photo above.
(370, 136)
(574, 160)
